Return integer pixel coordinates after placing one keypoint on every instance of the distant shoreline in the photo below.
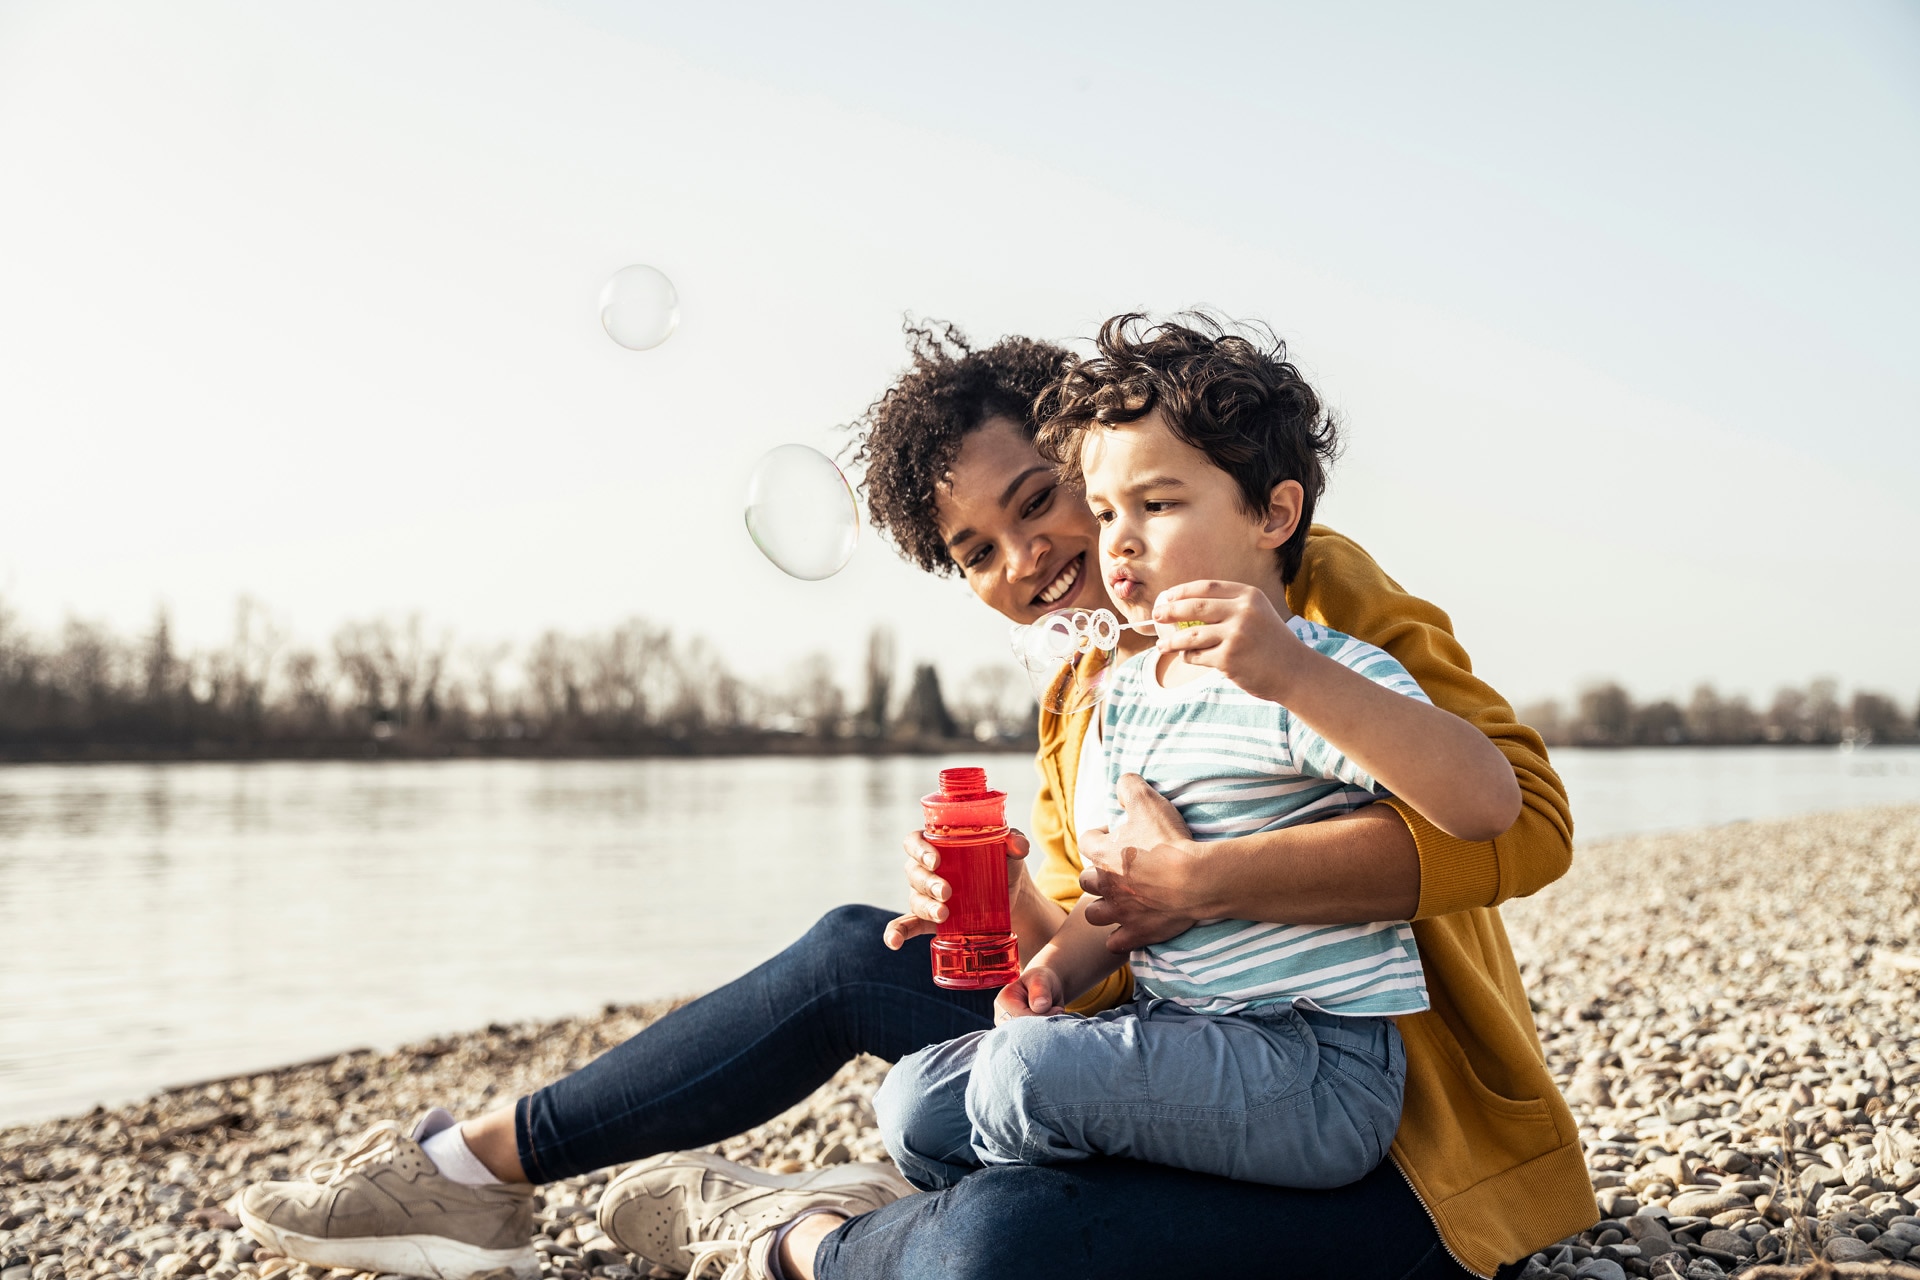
(699, 749)
(376, 751)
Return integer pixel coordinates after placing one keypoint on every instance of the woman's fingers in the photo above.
(918, 850)
(901, 928)
(927, 907)
(1143, 929)
(924, 888)
(926, 883)
(1017, 843)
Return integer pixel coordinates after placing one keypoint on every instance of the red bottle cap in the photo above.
(963, 800)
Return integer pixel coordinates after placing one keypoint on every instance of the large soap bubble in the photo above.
(639, 308)
(801, 512)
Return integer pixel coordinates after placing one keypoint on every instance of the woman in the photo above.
(1487, 1167)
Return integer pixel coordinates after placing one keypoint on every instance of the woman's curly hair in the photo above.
(905, 443)
(1228, 390)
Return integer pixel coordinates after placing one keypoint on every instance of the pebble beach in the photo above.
(1732, 1014)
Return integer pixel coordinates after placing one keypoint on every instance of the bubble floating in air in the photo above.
(639, 308)
(801, 512)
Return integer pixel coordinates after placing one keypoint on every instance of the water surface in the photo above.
(167, 923)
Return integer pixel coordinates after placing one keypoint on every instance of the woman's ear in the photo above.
(1284, 505)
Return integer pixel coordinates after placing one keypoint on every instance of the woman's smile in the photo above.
(1062, 582)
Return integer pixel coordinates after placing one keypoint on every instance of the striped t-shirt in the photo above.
(1234, 764)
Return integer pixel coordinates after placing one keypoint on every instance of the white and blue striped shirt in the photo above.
(1234, 764)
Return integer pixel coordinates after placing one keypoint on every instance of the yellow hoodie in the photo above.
(1485, 1139)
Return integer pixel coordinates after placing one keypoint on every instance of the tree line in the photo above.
(1606, 715)
(395, 687)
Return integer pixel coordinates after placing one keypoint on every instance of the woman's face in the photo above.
(1026, 543)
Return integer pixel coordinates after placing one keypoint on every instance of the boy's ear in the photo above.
(1284, 505)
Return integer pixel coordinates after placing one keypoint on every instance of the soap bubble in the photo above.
(639, 308)
(801, 512)
(1068, 656)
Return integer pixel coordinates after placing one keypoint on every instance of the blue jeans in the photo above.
(1281, 1096)
(743, 1054)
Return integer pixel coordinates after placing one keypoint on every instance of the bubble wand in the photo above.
(1058, 651)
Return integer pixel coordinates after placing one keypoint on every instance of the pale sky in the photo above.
(1618, 302)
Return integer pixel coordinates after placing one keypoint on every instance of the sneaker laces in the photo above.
(377, 1143)
(733, 1251)
(732, 1242)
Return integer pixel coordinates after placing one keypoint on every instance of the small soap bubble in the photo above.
(639, 308)
(801, 512)
(1068, 656)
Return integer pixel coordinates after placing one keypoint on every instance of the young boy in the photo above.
(1263, 1052)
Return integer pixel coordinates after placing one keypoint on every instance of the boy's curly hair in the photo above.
(905, 443)
(1226, 389)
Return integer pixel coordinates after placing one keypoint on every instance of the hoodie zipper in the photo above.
(1438, 1234)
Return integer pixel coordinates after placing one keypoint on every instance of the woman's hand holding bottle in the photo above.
(928, 894)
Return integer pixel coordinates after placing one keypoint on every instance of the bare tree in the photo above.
(995, 702)
(358, 648)
(553, 677)
(1874, 717)
(819, 704)
(925, 713)
(160, 665)
(1546, 718)
(1823, 711)
(483, 662)
(1605, 715)
(1659, 723)
(85, 667)
(873, 714)
(256, 642)
(1787, 717)
(309, 694)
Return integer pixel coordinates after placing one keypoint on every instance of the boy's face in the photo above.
(1167, 515)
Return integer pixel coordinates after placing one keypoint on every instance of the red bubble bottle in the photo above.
(974, 947)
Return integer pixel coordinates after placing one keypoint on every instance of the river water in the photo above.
(161, 924)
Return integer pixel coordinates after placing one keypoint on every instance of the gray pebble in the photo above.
(1847, 1249)
(1600, 1269)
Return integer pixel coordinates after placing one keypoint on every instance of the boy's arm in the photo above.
(1435, 762)
(1151, 876)
(1073, 960)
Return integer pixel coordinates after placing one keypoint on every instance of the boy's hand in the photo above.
(1034, 994)
(927, 893)
(1242, 635)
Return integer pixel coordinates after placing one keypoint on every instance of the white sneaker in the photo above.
(690, 1212)
(385, 1208)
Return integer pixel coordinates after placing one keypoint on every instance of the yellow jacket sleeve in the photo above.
(1054, 860)
(1340, 586)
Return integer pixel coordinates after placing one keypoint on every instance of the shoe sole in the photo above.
(434, 1257)
(829, 1178)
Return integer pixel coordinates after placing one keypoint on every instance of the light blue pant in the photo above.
(1281, 1096)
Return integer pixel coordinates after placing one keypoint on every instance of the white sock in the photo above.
(455, 1159)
